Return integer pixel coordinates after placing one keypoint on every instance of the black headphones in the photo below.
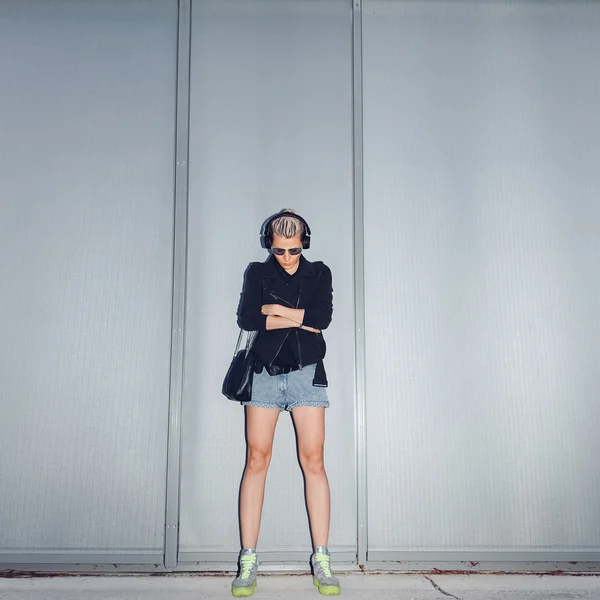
(266, 233)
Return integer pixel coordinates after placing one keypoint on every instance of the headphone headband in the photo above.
(266, 233)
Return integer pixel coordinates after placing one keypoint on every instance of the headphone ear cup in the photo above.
(306, 242)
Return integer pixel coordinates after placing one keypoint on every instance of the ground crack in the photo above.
(439, 589)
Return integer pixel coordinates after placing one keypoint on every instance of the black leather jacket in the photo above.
(264, 285)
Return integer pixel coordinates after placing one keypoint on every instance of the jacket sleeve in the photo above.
(318, 313)
(249, 316)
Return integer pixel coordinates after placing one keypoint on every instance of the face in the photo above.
(287, 261)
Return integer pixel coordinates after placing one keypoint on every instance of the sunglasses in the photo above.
(282, 251)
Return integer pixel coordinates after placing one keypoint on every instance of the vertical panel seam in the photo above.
(173, 485)
(359, 295)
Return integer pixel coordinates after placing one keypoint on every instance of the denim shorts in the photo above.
(288, 390)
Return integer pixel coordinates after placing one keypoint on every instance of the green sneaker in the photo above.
(322, 576)
(245, 582)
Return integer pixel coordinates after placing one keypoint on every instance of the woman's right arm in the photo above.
(249, 316)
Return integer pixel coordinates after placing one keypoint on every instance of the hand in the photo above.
(270, 309)
(312, 329)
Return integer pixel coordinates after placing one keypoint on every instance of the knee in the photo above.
(258, 461)
(312, 463)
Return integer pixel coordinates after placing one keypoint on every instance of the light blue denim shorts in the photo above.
(288, 390)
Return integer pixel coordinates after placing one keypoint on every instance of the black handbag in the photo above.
(237, 384)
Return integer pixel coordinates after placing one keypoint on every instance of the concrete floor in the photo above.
(286, 587)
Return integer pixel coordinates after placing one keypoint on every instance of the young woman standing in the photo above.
(289, 300)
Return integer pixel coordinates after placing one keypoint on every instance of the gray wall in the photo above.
(481, 307)
(270, 127)
(86, 213)
(481, 216)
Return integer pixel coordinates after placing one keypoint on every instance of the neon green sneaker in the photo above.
(323, 578)
(245, 582)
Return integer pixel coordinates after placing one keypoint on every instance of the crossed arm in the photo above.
(255, 316)
(281, 317)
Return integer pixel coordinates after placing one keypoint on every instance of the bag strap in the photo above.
(250, 339)
(237, 346)
(252, 335)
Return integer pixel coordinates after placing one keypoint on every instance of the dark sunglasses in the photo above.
(282, 251)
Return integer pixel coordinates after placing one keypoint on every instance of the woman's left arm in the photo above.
(318, 314)
(277, 310)
(281, 322)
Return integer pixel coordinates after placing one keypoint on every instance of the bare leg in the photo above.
(310, 427)
(260, 424)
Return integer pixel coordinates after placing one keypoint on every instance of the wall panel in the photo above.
(86, 234)
(481, 216)
(271, 127)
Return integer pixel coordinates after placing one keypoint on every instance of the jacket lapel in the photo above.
(273, 282)
(305, 269)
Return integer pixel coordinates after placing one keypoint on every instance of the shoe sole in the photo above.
(327, 590)
(243, 592)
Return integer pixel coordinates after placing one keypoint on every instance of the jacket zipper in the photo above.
(278, 298)
(288, 333)
(297, 335)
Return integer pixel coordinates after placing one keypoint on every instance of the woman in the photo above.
(289, 301)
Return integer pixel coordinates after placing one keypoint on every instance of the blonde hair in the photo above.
(286, 226)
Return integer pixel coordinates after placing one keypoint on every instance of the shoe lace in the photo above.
(247, 561)
(323, 560)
